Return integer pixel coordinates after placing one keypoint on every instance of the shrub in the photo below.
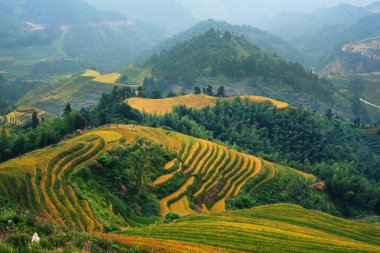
(19, 241)
(4, 248)
(171, 216)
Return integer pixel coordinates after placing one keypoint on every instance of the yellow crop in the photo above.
(165, 105)
(182, 206)
(219, 170)
(107, 78)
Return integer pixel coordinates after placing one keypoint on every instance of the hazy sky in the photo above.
(255, 10)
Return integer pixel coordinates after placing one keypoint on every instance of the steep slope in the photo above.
(272, 228)
(263, 39)
(201, 178)
(40, 35)
(216, 59)
(165, 105)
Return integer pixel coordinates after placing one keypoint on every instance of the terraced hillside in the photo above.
(165, 105)
(206, 175)
(372, 138)
(271, 228)
(81, 91)
(22, 115)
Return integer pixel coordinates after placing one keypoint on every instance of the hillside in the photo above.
(199, 176)
(261, 38)
(366, 85)
(272, 228)
(216, 59)
(80, 90)
(22, 115)
(165, 105)
(295, 25)
(372, 137)
(45, 39)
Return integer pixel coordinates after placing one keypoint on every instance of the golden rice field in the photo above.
(107, 78)
(21, 115)
(270, 228)
(165, 105)
(40, 182)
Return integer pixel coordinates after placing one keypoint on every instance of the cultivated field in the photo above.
(81, 91)
(213, 174)
(271, 228)
(22, 115)
(41, 183)
(165, 105)
(97, 77)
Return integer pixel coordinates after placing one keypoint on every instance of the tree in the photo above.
(156, 94)
(171, 94)
(197, 90)
(209, 91)
(67, 110)
(123, 79)
(227, 36)
(329, 113)
(35, 120)
(221, 92)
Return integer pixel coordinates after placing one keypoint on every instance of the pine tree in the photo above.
(35, 120)
(197, 90)
(221, 92)
(67, 110)
(209, 91)
(329, 113)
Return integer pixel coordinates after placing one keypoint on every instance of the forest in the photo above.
(325, 146)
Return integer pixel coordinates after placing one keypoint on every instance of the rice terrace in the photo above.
(165, 105)
(42, 182)
(178, 126)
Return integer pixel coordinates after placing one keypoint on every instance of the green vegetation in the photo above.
(18, 227)
(224, 59)
(294, 137)
(123, 176)
(372, 138)
(366, 86)
(49, 39)
(282, 185)
(271, 228)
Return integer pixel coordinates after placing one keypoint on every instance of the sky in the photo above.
(258, 10)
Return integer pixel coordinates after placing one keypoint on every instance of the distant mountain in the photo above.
(263, 39)
(343, 50)
(47, 32)
(221, 58)
(294, 25)
(169, 15)
(338, 40)
(374, 7)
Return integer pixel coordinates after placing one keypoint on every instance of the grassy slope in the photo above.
(272, 228)
(78, 90)
(165, 105)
